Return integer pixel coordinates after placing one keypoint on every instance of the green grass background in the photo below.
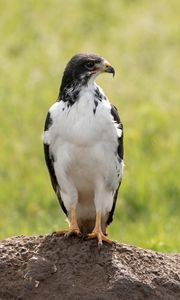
(141, 39)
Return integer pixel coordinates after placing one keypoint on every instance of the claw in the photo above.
(100, 246)
(100, 237)
(97, 233)
(68, 232)
(59, 232)
(73, 228)
(74, 231)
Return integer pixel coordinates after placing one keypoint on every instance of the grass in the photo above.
(141, 40)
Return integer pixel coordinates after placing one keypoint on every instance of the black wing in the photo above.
(120, 152)
(50, 165)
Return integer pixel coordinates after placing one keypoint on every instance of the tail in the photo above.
(86, 225)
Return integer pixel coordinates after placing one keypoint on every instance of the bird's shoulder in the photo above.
(115, 115)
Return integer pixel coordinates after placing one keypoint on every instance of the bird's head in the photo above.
(85, 67)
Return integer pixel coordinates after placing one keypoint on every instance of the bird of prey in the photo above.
(83, 146)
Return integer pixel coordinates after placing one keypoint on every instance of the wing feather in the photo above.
(120, 153)
(50, 164)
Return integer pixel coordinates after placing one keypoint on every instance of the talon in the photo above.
(68, 232)
(73, 228)
(97, 233)
(73, 231)
(99, 246)
(100, 236)
(60, 232)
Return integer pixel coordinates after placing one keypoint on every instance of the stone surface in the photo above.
(55, 268)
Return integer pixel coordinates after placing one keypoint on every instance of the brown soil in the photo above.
(55, 268)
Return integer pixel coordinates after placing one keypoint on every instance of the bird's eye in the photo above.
(89, 65)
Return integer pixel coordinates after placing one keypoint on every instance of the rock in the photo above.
(55, 268)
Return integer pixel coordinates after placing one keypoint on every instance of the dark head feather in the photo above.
(77, 69)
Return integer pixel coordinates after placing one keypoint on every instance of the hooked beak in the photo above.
(108, 68)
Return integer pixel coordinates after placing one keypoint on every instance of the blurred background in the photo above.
(141, 39)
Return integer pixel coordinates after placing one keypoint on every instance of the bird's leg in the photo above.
(73, 226)
(97, 232)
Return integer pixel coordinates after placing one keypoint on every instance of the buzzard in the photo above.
(83, 147)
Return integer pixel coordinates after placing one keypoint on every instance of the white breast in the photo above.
(84, 144)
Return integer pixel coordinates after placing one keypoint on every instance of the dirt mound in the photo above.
(55, 268)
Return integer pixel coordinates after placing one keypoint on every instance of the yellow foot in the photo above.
(73, 227)
(69, 232)
(97, 232)
(100, 237)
